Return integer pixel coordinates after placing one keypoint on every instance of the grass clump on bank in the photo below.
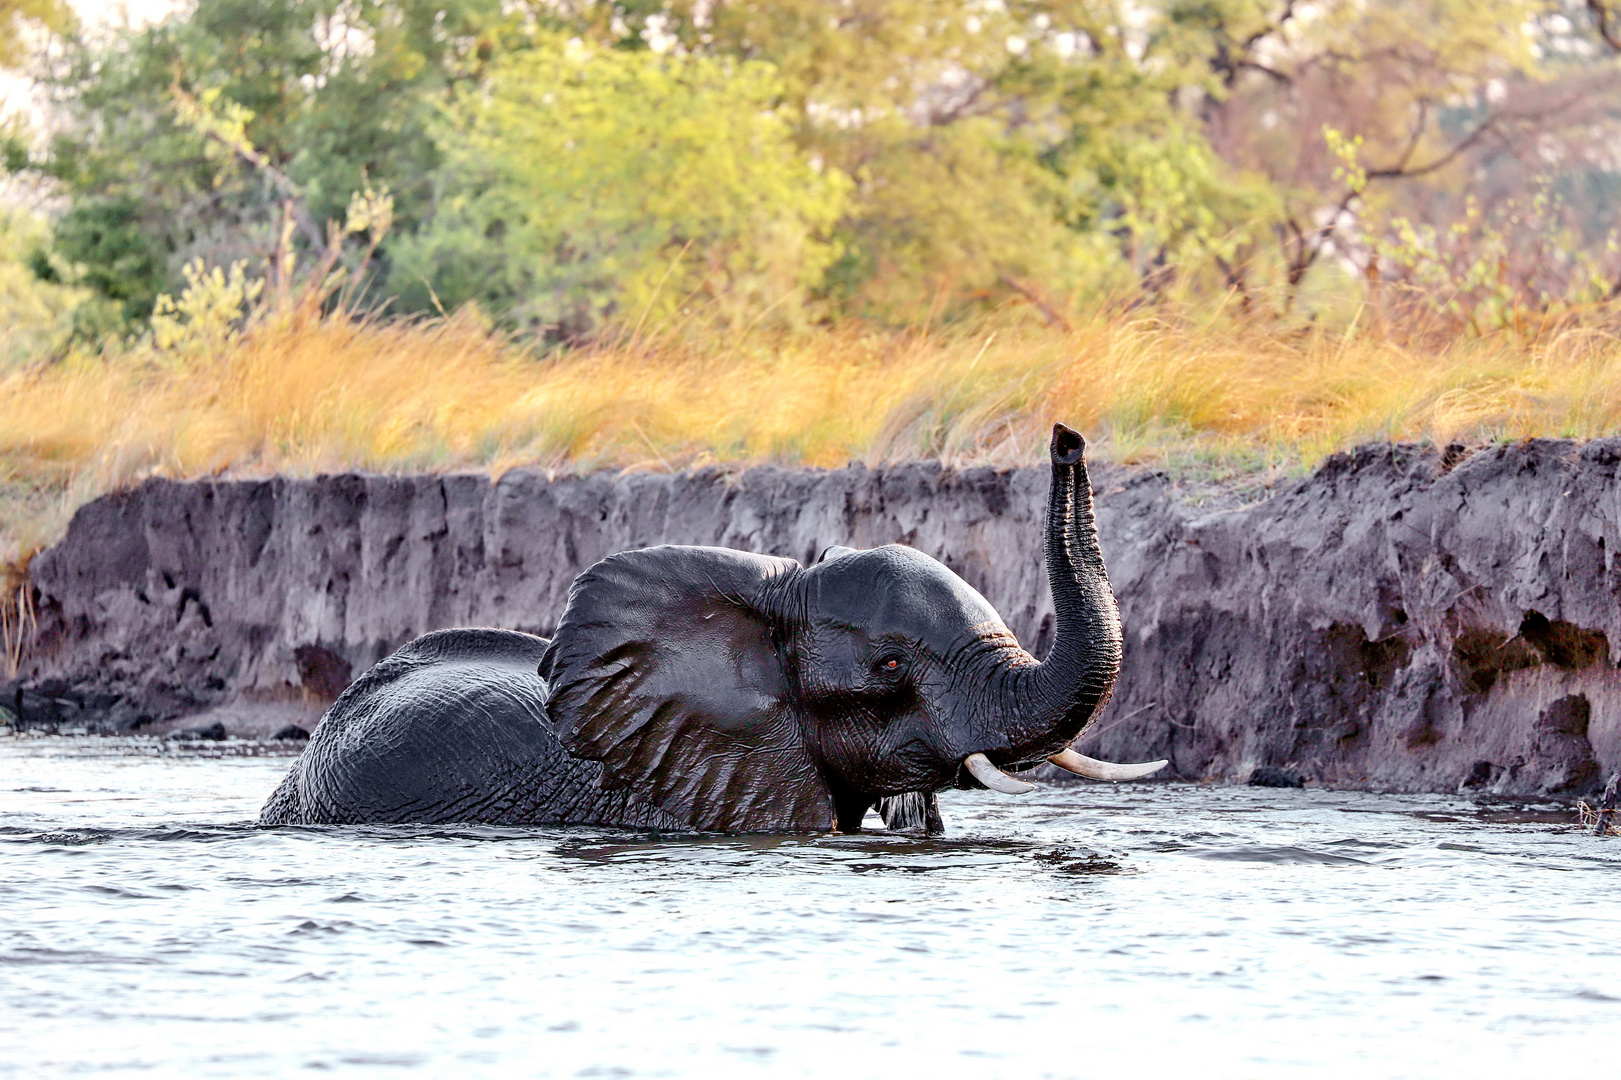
(307, 393)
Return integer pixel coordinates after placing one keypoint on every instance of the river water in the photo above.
(147, 926)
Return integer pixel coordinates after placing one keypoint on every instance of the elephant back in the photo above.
(450, 728)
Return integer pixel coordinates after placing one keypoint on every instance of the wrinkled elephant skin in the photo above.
(712, 689)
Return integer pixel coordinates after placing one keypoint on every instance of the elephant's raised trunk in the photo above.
(1055, 700)
(1075, 681)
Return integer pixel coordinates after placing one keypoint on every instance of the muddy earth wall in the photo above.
(1403, 619)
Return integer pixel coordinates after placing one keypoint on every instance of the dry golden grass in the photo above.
(1588, 819)
(346, 393)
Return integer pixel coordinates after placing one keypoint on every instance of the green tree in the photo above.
(1025, 147)
(880, 157)
(587, 183)
(1423, 85)
(17, 15)
(36, 315)
(334, 94)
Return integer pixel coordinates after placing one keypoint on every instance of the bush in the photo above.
(588, 185)
(36, 315)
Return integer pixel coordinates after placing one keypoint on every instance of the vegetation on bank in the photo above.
(572, 168)
(1218, 235)
(301, 391)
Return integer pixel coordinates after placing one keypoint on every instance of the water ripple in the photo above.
(150, 925)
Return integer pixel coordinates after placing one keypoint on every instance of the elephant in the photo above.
(702, 688)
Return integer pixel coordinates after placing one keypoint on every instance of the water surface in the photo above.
(146, 925)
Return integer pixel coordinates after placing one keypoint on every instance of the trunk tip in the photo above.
(1067, 447)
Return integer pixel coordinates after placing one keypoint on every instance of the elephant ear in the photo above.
(665, 668)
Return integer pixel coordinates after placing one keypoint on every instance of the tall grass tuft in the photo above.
(303, 395)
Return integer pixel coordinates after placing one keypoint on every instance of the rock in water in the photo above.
(214, 732)
(1272, 776)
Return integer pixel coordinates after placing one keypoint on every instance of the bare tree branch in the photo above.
(1284, 17)
(1038, 300)
(1491, 125)
(1401, 170)
(1237, 282)
(202, 121)
(1308, 246)
(1607, 23)
(1229, 61)
(1280, 77)
(1417, 134)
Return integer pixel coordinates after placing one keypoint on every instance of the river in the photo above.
(147, 926)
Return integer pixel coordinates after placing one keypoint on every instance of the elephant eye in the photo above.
(889, 663)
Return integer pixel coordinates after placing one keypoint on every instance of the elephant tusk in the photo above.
(995, 778)
(1093, 769)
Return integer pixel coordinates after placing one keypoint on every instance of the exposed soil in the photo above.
(1405, 618)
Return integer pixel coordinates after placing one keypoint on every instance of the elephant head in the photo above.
(745, 693)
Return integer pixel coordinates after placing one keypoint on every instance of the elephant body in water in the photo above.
(692, 687)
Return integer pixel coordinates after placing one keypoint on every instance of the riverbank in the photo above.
(1200, 393)
(1403, 618)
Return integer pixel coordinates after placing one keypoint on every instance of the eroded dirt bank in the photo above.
(1402, 619)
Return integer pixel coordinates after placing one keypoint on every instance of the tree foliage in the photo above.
(588, 182)
(17, 17)
(572, 164)
(36, 313)
(1034, 148)
(331, 94)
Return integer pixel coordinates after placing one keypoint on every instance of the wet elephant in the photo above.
(694, 687)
